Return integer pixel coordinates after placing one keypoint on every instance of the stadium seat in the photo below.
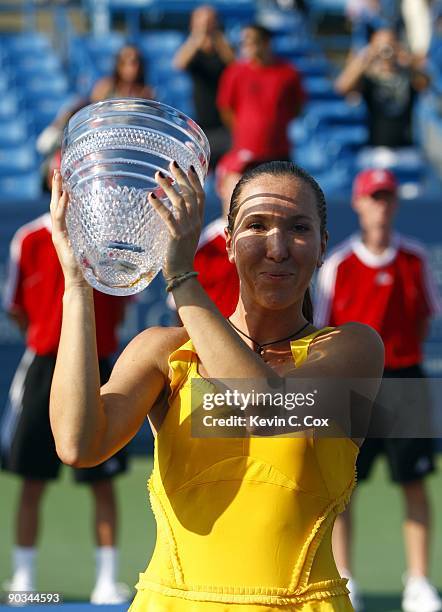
(26, 43)
(408, 164)
(160, 70)
(13, 132)
(320, 117)
(346, 136)
(110, 44)
(409, 158)
(281, 21)
(320, 88)
(42, 84)
(103, 63)
(327, 7)
(177, 89)
(43, 109)
(18, 158)
(25, 186)
(92, 57)
(292, 46)
(321, 114)
(9, 105)
(35, 63)
(182, 104)
(312, 66)
(4, 82)
(336, 182)
(155, 45)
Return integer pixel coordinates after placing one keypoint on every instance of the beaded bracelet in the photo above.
(175, 281)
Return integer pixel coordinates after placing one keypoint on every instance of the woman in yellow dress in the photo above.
(243, 523)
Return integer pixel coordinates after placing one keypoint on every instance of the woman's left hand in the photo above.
(184, 221)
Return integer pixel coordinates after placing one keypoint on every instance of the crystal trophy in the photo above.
(110, 153)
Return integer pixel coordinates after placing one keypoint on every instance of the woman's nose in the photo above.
(277, 245)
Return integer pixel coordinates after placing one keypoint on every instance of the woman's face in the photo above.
(128, 65)
(276, 242)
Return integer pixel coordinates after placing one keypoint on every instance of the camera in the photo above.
(387, 52)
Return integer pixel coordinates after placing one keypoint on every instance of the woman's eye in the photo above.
(299, 227)
(256, 226)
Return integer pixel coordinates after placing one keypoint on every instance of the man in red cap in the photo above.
(381, 278)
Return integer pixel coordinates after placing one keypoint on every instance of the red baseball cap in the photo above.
(370, 181)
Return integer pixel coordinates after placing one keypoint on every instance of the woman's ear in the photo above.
(229, 245)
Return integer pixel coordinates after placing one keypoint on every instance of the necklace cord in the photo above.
(260, 347)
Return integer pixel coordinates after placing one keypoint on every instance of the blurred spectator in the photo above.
(204, 55)
(389, 80)
(258, 96)
(367, 16)
(127, 80)
(381, 278)
(33, 298)
(50, 139)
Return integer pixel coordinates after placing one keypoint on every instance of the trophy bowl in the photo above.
(110, 153)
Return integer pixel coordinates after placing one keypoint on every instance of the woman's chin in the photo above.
(276, 301)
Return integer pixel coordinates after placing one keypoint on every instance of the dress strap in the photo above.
(301, 346)
(183, 363)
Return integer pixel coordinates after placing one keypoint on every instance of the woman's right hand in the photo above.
(73, 275)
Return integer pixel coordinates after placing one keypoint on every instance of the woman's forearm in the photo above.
(213, 337)
(76, 410)
(352, 74)
(186, 53)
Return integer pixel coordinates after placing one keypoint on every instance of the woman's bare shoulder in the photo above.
(355, 346)
(156, 344)
(147, 92)
(352, 330)
(101, 88)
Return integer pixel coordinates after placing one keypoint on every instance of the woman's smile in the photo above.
(275, 275)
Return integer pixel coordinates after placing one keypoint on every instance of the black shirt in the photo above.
(390, 101)
(205, 70)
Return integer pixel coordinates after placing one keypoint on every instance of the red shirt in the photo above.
(35, 287)
(217, 275)
(264, 99)
(393, 292)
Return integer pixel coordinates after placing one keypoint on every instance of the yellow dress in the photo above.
(243, 525)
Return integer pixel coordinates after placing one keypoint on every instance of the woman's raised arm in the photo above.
(90, 424)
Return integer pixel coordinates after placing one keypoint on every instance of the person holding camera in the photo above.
(389, 80)
(204, 55)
